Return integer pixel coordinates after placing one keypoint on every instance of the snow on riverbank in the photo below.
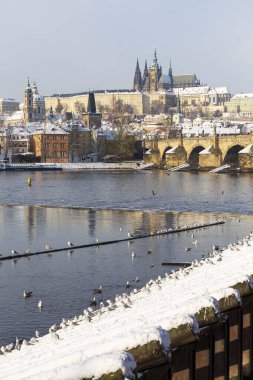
(95, 343)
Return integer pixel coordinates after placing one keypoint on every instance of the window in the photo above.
(62, 145)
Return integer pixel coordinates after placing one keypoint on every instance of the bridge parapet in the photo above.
(222, 150)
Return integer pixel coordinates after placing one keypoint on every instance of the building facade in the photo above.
(50, 144)
(8, 106)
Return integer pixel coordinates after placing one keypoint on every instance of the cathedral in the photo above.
(154, 80)
(34, 105)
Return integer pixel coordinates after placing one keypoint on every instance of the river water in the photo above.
(85, 206)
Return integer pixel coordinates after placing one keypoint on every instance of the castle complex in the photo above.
(154, 80)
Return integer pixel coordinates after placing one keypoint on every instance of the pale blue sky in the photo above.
(71, 46)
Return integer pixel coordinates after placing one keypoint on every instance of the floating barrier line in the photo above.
(177, 264)
(182, 229)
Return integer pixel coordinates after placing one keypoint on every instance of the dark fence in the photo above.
(222, 350)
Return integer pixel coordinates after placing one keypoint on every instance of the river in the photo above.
(85, 206)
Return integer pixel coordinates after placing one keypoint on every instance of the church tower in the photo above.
(91, 118)
(171, 75)
(137, 78)
(155, 73)
(28, 105)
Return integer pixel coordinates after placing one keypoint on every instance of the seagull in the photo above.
(133, 255)
(98, 290)
(27, 294)
(37, 333)
(97, 241)
(187, 249)
(55, 336)
(93, 302)
(151, 266)
(40, 304)
(70, 244)
(192, 236)
(195, 242)
(137, 279)
(149, 252)
(153, 192)
(13, 252)
(27, 251)
(48, 247)
(129, 235)
(127, 285)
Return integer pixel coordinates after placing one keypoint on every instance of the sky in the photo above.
(79, 45)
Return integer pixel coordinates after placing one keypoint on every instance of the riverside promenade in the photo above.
(194, 322)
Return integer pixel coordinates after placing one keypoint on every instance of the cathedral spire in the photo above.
(155, 63)
(145, 72)
(137, 78)
(170, 74)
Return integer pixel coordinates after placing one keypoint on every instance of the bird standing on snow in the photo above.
(70, 244)
(93, 302)
(37, 333)
(48, 247)
(13, 252)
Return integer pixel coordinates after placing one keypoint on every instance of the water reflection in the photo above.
(65, 280)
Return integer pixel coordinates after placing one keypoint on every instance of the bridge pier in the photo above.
(202, 153)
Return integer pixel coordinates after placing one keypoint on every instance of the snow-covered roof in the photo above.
(192, 90)
(172, 150)
(208, 150)
(248, 149)
(165, 79)
(245, 95)
(18, 115)
(50, 129)
(221, 90)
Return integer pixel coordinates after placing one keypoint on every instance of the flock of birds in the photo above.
(124, 300)
(97, 306)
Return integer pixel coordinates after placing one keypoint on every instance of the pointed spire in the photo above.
(137, 65)
(170, 69)
(155, 64)
(145, 72)
(137, 78)
(28, 83)
(171, 75)
(91, 103)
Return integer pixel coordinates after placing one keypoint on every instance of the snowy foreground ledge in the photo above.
(116, 338)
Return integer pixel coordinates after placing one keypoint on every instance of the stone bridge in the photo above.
(203, 153)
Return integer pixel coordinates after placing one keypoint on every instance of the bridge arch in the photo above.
(164, 152)
(231, 156)
(193, 158)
